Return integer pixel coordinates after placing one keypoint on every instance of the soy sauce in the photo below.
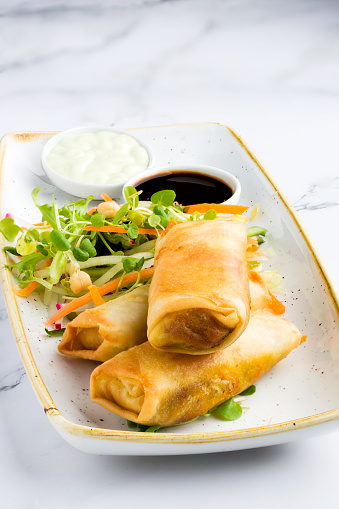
(190, 187)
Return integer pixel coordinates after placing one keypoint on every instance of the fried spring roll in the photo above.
(102, 332)
(199, 296)
(153, 387)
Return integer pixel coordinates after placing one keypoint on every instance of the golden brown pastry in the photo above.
(153, 387)
(199, 295)
(104, 331)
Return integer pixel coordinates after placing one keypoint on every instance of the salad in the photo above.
(77, 254)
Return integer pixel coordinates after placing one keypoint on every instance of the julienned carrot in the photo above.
(218, 207)
(105, 197)
(277, 307)
(91, 211)
(24, 292)
(252, 244)
(118, 229)
(97, 299)
(103, 290)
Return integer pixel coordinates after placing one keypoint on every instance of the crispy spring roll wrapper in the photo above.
(199, 295)
(153, 387)
(102, 332)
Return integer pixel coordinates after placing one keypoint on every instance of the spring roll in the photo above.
(102, 332)
(153, 387)
(199, 296)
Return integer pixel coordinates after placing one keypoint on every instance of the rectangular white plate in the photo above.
(298, 398)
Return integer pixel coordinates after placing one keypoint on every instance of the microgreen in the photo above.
(42, 249)
(97, 220)
(165, 198)
(59, 241)
(249, 391)
(27, 264)
(120, 214)
(80, 254)
(136, 217)
(25, 246)
(152, 429)
(80, 207)
(86, 245)
(210, 214)
(132, 196)
(57, 267)
(154, 220)
(132, 231)
(9, 229)
(48, 212)
(229, 411)
(132, 264)
(56, 332)
(160, 211)
(11, 250)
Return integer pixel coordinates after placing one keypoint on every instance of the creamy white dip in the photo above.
(102, 157)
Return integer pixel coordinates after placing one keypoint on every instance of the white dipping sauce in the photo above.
(102, 157)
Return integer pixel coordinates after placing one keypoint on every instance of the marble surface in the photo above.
(267, 69)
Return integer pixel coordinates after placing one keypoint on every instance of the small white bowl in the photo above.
(210, 171)
(84, 189)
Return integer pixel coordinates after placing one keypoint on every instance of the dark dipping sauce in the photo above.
(190, 187)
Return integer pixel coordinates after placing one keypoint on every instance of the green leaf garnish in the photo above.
(80, 206)
(129, 265)
(59, 241)
(152, 429)
(80, 254)
(154, 220)
(25, 247)
(11, 250)
(132, 424)
(160, 211)
(97, 220)
(229, 411)
(86, 245)
(42, 250)
(57, 267)
(131, 196)
(120, 214)
(136, 217)
(56, 332)
(249, 391)
(132, 231)
(210, 214)
(26, 266)
(47, 211)
(165, 198)
(9, 229)
(132, 264)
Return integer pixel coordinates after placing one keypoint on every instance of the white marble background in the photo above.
(270, 70)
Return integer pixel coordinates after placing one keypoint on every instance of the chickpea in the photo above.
(108, 208)
(79, 281)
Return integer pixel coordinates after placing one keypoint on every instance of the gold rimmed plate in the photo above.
(298, 398)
